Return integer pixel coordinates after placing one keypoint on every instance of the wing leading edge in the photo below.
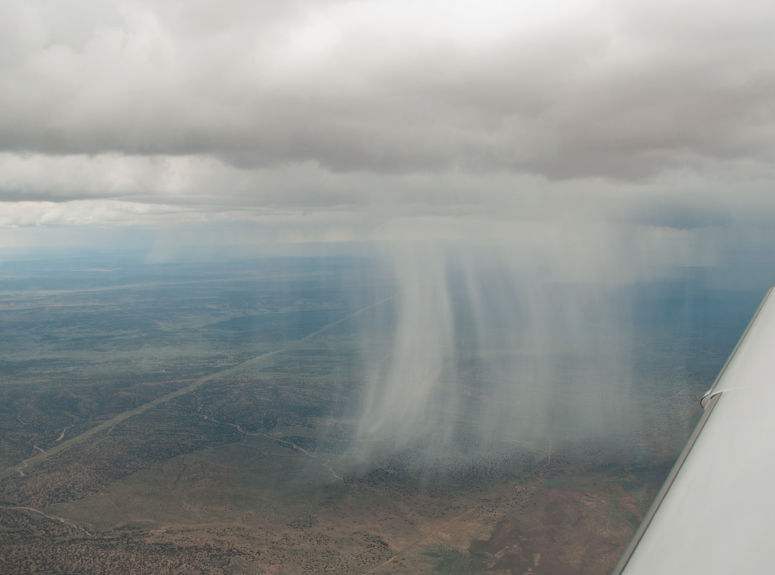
(716, 510)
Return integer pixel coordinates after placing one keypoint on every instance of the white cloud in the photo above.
(84, 213)
(623, 89)
(152, 114)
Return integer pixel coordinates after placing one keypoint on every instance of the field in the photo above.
(203, 419)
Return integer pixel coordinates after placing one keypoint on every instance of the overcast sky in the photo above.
(333, 120)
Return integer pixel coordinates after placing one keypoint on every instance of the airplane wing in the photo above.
(716, 511)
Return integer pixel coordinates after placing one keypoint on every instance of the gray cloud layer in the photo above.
(610, 89)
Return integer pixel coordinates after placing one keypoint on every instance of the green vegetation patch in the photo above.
(454, 562)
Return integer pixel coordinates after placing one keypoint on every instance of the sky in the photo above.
(647, 125)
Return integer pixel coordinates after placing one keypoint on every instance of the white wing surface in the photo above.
(716, 512)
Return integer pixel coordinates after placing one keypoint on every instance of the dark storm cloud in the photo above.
(621, 90)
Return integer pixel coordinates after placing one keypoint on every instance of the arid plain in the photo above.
(204, 419)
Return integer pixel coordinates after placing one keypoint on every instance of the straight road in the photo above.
(29, 463)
